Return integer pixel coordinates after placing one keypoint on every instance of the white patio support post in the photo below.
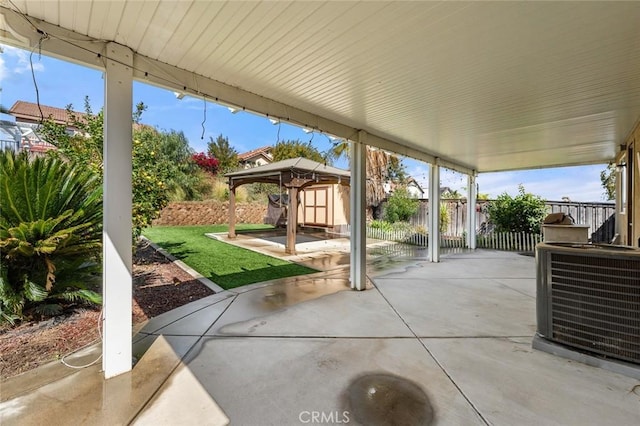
(472, 195)
(619, 202)
(434, 213)
(358, 213)
(117, 244)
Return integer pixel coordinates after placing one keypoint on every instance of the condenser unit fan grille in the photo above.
(595, 304)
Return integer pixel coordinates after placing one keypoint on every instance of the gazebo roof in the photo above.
(297, 171)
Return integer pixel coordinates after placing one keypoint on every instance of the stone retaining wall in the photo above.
(209, 213)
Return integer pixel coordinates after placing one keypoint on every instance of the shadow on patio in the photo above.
(446, 342)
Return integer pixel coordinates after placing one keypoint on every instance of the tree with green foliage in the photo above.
(185, 180)
(522, 213)
(50, 235)
(294, 149)
(400, 206)
(450, 194)
(608, 181)
(161, 161)
(226, 155)
(396, 171)
(380, 168)
(150, 174)
(137, 114)
(83, 147)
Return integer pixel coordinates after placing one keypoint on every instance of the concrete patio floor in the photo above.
(427, 343)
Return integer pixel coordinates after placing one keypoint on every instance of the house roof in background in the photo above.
(25, 135)
(22, 110)
(412, 180)
(263, 150)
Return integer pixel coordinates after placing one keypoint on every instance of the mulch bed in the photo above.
(158, 286)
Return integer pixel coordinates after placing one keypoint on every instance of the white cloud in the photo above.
(17, 61)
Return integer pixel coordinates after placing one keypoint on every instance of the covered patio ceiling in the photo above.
(474, 86)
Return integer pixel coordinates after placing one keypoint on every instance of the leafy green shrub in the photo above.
(444, 218)
(380, 224)
(522, 213)
(420, 229)
(149, 178)
(402, 227)
(50, 235)
(400, 206)
(258, 191)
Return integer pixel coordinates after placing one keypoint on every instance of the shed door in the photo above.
(316, 206)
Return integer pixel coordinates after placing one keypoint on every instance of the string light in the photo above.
(204, 120)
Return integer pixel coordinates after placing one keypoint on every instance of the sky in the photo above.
(61, 83)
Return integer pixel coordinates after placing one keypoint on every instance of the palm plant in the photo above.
(377, 169)
(50, 235)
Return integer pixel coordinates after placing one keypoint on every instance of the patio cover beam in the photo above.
(92, 52)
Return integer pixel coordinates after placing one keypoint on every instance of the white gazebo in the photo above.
(470, 86)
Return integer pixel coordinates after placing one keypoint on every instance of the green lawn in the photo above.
(224, 264)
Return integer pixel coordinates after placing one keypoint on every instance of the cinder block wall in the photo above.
(209, 213)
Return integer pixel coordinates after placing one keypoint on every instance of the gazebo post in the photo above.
(232, 210)
(292, 220)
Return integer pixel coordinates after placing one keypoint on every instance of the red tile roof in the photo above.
(30, 112)
(254, 153)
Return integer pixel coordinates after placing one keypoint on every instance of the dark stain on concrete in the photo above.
(382, 399)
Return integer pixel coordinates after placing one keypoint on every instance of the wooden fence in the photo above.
(599, 216)
(511, 241)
